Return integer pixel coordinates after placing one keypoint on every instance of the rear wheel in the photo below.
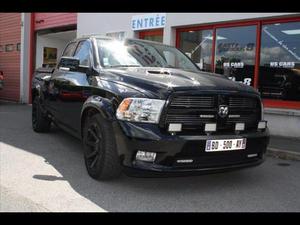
(40, 123)
(100, 153)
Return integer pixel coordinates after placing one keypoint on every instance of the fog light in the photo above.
(145, 156)
(239, 126)
(262, 125)
(175, 127)
(210, 127)
(252, 155)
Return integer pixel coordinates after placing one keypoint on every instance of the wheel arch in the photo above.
(35, 91)
(96, 104)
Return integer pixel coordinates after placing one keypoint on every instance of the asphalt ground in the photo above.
(46, 172)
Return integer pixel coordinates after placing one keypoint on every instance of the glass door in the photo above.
(235, 53)
(197, 44)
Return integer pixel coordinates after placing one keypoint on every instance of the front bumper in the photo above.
(132, 137)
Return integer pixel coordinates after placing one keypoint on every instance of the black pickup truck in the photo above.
(145, 107)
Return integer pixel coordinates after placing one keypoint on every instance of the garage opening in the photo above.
(49, 47)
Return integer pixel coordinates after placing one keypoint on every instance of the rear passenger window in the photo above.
(69, 49)
(83, 52)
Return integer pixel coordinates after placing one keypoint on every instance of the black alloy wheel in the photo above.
(100, 152)
(94, 141)
(40, 122)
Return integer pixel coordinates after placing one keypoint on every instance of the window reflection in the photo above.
(235, 53)
(198, 46)
(280, 61)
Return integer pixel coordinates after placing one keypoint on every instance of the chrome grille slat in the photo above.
(193, 101)
(242, 102)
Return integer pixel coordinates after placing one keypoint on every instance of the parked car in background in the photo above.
(145, 106)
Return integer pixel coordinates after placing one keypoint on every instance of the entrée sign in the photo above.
(148, 21)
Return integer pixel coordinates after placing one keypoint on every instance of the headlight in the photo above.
(140, 110)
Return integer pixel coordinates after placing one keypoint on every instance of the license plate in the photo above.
(225, 145)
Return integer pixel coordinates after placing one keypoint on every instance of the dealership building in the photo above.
(257, 49)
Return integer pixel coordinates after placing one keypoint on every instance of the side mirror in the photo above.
(69, 63)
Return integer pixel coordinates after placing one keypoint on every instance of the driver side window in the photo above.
(83, 53)
(69, 49)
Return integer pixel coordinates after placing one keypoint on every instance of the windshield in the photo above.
(135, 53)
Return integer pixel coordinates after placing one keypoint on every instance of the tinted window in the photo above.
(235, 53)
(279, 74)
(198, 46)
(82, 52)
(69, 49)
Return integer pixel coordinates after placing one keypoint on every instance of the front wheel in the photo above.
(100, 153)
(40, 123)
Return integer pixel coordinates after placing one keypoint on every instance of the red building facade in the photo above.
(10, 39)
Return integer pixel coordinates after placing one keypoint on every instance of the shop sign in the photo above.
(233, 64)
(224, 47)
(148, 21)
(246, 80)
(282, 64)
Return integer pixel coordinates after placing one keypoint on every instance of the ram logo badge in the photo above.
(223, 111)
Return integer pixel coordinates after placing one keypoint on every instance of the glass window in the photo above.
(279, 72)
(235, 53)
(157, 38)
(136, 53)
(198, 46)
(83, 53)
(9, 48)
(69, 49)
(152, 35)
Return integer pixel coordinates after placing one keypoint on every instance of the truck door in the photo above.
(76, 87)
(55, 85)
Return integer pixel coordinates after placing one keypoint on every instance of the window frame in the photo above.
(259, 23)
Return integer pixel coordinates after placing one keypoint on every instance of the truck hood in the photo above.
(160, 82)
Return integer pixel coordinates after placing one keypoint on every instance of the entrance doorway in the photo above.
(49, 47)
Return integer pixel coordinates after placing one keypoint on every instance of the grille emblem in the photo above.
(223, 111)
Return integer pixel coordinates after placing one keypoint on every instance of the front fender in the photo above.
(104, 106)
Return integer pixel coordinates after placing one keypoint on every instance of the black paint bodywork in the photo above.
(67, 96)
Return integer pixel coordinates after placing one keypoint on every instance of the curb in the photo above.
(283, 154)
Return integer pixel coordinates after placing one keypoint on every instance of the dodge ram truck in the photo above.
(145, 107)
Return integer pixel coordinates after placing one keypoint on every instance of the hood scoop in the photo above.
(166, 72)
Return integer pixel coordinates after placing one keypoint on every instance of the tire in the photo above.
(40, 123)
(100, 152)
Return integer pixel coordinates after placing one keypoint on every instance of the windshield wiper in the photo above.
(113, 66)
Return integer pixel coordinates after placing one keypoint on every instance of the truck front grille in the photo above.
(193, 112)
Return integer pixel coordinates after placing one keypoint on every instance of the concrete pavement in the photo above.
(46, 172)
(284, 148)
